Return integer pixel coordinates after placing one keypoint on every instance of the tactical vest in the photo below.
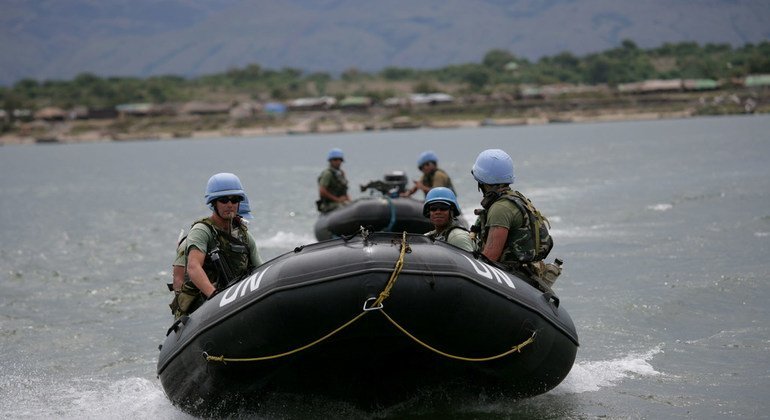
(528, 242)
(234, 252)
(445, 234)
(427, 180)
(339, 186)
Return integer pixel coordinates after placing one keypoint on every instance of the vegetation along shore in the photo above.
(672, 81)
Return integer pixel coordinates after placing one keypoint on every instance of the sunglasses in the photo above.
(438, 207)
(235, 199)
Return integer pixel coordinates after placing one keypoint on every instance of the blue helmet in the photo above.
(335, 154)
(425, 157)
(441, 195)
(222, 185)
(493, 166)
(244, 209)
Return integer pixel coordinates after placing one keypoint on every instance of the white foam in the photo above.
(660, 207)
(86, 398)
(592, 376)
(285, 240)
(761, 234)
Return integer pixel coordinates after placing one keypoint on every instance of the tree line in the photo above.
(499, 69)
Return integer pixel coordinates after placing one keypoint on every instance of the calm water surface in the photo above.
(664, 227)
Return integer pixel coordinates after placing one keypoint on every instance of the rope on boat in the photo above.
(514, 349)
(394, 275)
(224, 359)
(377, 305)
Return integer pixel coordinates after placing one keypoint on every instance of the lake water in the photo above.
(664, 227)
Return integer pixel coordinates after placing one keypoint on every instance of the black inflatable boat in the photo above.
(383, 210)
(370, 320)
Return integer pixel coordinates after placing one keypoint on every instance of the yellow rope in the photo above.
(383, 295)
(394, 275)
(514, 349)
(275, 356)
(377, 305)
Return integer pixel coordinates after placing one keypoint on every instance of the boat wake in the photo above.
(79, 398)
(284, 240)
(592, 376)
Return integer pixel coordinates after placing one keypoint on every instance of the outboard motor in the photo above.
(393, 184)
(397, 181)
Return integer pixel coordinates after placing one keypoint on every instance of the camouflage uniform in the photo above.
(528, 241)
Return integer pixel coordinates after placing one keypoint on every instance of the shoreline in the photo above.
(321, 123)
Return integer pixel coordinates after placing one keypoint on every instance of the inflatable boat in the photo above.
(383, 210)
(371, 320)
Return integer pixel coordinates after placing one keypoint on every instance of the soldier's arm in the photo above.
(195, 270)
(495, 244)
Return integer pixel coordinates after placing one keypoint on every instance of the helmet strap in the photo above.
(492, 193)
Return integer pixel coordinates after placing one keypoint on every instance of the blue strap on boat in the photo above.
(392, 221)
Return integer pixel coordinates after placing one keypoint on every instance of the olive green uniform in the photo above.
(454, 234)
(237, 249)
(336, 183)
(437, 178)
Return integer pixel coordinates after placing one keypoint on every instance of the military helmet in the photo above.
(493, 166)
(441, 195)
(335, 154)
(244, 210)
(425, 157)
(222, 185)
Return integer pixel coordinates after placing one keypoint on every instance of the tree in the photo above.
(497, 59)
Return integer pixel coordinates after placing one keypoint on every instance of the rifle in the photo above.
(225, 275)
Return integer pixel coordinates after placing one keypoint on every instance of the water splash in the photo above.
(285, 240)
(592, 376)
(85, 398)
(660, 207)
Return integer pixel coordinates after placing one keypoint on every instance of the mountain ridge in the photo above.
(59, 39)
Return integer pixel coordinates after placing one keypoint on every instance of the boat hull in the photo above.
(445, 314)
(376, 214)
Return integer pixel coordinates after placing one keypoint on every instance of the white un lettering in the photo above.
(491, 272)
(252, 283)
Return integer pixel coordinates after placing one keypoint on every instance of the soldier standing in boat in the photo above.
(509, 229)
(442, 209)
(219, 248)
(432, 176)
(332, 184)
(179, 267)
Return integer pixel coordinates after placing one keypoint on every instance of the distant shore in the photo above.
(335, 121)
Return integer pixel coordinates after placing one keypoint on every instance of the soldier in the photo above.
(332, 184)
(511, 230)
(219, 248)
(432, 176)
(442, 209)
(179, 267)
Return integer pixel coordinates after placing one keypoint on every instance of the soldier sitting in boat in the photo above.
(510, 230)
(219, 248)
(332, 184)
(432, 176)
(442, 209)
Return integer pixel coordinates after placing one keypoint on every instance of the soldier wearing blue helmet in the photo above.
(442, 209)
(332, 184)
(510, 230)
(218, 249)
(179, 267)
(432, 176)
